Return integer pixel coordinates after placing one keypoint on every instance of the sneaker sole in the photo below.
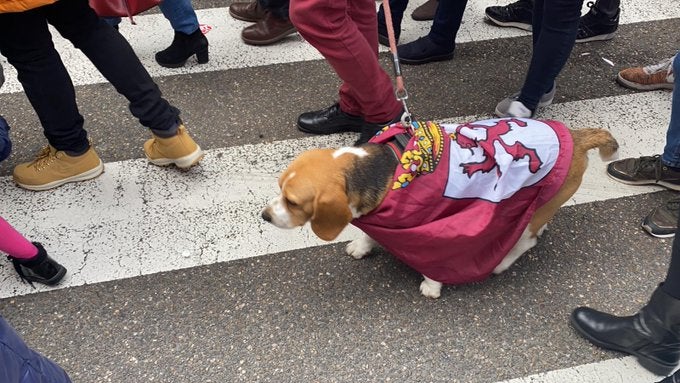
(513, 24)
(637, 86)
(660, 183)
(185, 162)
(650, 231)
(607, 36)
(88, 175)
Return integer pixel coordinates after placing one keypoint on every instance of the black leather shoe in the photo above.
(423, 51)
(328, 121)
(652, 335)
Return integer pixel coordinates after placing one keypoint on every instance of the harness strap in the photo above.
(398, 143)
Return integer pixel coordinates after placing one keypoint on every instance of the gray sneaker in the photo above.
(510, 107)
(644, 171)
(662, 222)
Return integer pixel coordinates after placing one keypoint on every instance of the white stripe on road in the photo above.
(139, 219)
(153, 33)
(623, 370)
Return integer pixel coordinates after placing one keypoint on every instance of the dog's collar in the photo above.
(397, 144)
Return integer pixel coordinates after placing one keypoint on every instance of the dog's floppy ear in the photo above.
(331, 213)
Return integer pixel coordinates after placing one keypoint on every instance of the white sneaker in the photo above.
(503, 107)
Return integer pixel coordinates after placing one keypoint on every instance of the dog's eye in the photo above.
(291, 203)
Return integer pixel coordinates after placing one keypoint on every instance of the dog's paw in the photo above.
(431, 289)
(359, 248)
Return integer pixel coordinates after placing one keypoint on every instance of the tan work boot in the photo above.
(53, 168)
(179, 149)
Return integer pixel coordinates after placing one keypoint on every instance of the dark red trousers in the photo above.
(345, 32)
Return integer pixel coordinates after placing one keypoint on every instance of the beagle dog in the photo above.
(456, 202)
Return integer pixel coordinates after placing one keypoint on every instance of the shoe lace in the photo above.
(664, 65)
(673, 204)
(44, 158)
(20, 271)
(649, 164)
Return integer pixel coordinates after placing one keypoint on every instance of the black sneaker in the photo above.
(662, 222)
(329, 120)
(675, 378)
(595, 26)
(41, 268)
(517, 14)
(644, 171)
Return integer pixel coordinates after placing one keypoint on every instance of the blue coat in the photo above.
(5, 142)
(20, 364)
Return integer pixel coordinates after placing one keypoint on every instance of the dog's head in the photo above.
(313, 189)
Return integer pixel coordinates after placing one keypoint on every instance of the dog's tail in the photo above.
(591, 138)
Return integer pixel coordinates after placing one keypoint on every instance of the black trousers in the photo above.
(27, 43)
(672, 283)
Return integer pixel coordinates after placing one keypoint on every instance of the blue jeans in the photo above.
(671, 152)
(27, 43)
(555, 24)
(180, 14)
(447, 19)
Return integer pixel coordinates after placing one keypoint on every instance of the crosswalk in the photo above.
(173, 276)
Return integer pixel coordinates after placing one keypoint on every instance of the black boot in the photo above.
(184, 46)
(41, 269)
(653, 334)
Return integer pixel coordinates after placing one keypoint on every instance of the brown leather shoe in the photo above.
(425, 11)
(251, 11)
(267, 31)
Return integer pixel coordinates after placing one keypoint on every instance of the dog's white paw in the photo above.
(359, 248)
(430, 288)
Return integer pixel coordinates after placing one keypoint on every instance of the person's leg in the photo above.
(26, 42)
(672, 283)
(279, 8)
(345, 33)
(180, 14)
(609, 8)
(397, 8)
(440, 42)
(14, 244)
(671, 152)
(113, 56)
(188, 39)
(555, 26)
(30, 259)
(447, 20)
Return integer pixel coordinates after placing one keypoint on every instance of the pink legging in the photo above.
(14, 244)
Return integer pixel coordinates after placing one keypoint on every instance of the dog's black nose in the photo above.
(266, 216)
